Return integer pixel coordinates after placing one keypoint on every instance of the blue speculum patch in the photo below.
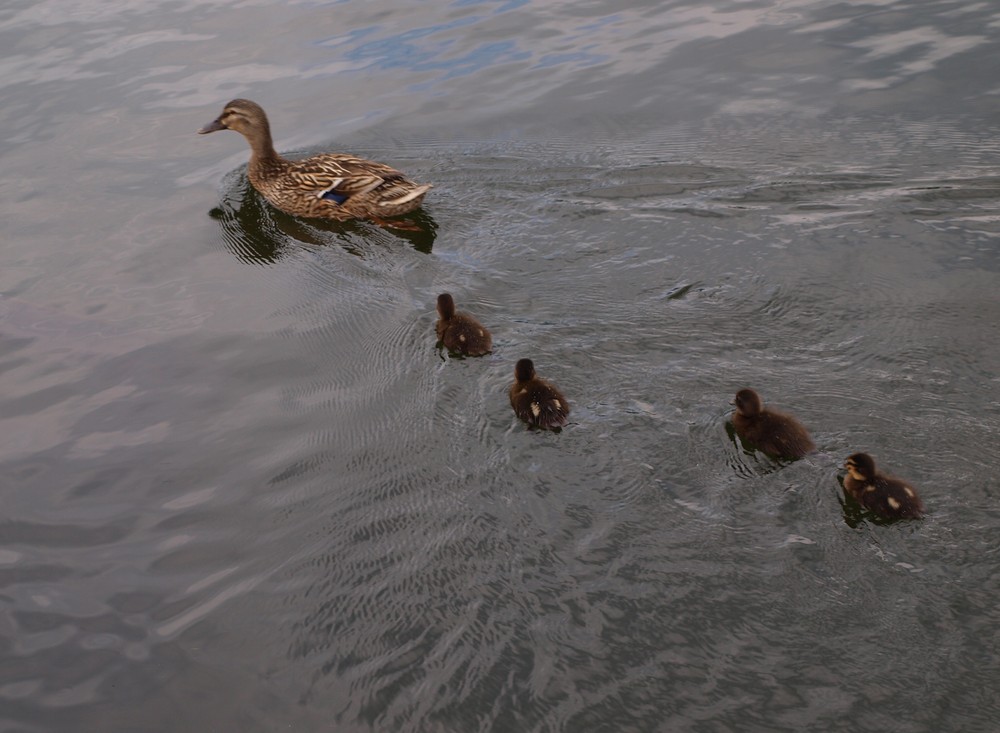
(335, 197)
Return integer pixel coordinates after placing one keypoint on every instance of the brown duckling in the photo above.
(460, 332)
(329, 185)
(887, 496)
(772, 432)
(536, 401)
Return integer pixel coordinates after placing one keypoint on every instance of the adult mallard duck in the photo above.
(460, 332)
(887, 496)
(536, 401)
(772, 432)
(329, 185)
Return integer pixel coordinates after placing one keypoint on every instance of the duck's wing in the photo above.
(340, 177)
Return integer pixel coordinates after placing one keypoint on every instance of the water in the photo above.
(244, 492)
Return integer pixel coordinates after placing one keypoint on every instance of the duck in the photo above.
(889, 497)
(537, 402)
(334, 186)
(772, 432)
(459, 332)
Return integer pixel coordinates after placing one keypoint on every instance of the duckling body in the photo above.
(772, 432)
(460, 332)
(536, 401)
(329, 185)
(884, 495)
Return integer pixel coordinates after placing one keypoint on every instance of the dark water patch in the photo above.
(60, 535)
(804, 192)
(985, 187)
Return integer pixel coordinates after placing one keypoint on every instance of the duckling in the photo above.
(536, 401)
(460, 332)
(329, 185)
(887, 496)
(772, 432)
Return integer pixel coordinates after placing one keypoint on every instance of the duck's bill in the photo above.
(213, 126)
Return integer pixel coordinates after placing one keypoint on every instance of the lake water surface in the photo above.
(242, 490)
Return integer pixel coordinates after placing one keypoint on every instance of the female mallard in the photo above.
(329, 185)
(536, 401)
(772, 432)
(460, 332)
(888, 497)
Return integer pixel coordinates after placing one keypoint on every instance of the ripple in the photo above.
(238, 473)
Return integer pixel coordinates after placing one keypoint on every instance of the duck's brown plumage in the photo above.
(772, 432)
(884, 495)
(329, 185)
(460, 332)
(536, 401)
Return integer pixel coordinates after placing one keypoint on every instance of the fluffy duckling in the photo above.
(887, 496)
(536, 401)
(329, 185)
(460, 332)
(772, 432)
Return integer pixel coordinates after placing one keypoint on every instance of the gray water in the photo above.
(242, 490)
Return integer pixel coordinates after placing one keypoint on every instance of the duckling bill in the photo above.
(536, 401)
(459, 332)
(772, 432)
(329, 185)
(889, 497)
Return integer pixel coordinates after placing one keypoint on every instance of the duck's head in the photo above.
(861, 466)
(242, 115)
(524, 370)
(748, 403)
(446, 306)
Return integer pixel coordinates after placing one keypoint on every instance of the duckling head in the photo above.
(748, 403)
(524, 370)
(861, 466)
(242, 115)
(446, 306)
